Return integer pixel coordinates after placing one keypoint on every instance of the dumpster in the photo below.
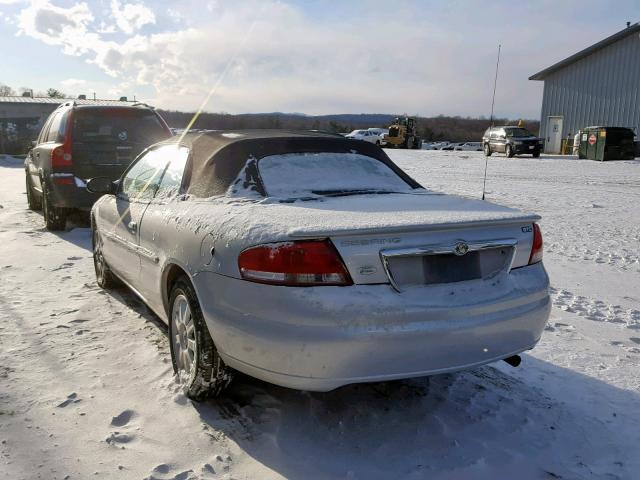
(607, 143)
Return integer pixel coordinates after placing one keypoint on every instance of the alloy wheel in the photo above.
(98, 258)
(184, 336)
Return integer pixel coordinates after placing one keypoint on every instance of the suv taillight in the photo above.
(61, 157)
(298, 263)
(536, 248)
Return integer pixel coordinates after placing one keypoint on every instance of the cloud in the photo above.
(314, 59)
(131, 16)
(73, 83)
(66, 27)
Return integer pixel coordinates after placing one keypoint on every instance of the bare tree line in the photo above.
(451, 128)
(7, 91)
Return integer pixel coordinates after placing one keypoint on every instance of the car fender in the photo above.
(167, 268)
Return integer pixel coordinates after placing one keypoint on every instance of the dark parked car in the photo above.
(510, 141)
(79, 142)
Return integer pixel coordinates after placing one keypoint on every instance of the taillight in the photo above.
(298, 263)
(536, 248)
(61, 155)
(63, 180)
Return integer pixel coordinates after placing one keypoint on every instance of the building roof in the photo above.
(58, 101)
(631, 29)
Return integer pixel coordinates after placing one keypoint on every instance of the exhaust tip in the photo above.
(514, 360)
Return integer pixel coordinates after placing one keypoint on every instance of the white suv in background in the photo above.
(366, 136)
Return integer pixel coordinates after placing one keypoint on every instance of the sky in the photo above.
(315, 57)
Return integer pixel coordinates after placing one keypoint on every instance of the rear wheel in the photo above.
(408, 143)
(509, 151)
(34, 202)
(196, 362)
(104, 278)
(55, 218)
(536, 155)
(487, 150)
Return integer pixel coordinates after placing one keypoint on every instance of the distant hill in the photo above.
(454, 129)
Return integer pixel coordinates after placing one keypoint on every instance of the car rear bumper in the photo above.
(72, 195)
(321, 338)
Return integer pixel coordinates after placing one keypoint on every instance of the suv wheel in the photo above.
(408, 143)
(196, 362)
(487, 150)
(55, 218)
(34, 202)
(509, 151)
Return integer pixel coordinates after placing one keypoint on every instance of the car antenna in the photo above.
(493, 101)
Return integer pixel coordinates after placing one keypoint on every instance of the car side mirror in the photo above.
(101, 185)
(33, 143)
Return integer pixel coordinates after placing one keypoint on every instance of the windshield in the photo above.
(328, 174)
(518, 132)
(118, 125)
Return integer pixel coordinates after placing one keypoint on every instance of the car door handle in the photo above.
(132, 225)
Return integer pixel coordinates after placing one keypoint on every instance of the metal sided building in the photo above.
(599, 85)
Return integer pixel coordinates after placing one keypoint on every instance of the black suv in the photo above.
(510, 141)
(78, 142)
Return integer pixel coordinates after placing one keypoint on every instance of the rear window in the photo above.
(518, 132)
(309, 174)
(118, 125)
(57, 127)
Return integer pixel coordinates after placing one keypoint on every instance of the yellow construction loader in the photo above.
(403, 134)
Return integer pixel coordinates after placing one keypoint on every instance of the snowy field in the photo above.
(86, 385)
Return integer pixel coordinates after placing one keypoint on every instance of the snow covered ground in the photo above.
(86, 386)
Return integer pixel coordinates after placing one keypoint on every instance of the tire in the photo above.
(408, 143)
(33, 201)
(487, 150)
(104, 277)
(55, 218)
(196, 362)
(508, 151)
(536, 155)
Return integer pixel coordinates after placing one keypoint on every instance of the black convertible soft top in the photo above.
(217, 157)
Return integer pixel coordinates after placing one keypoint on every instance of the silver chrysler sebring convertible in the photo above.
(313, 261)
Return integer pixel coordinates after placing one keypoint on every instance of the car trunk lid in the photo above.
(422, 239)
